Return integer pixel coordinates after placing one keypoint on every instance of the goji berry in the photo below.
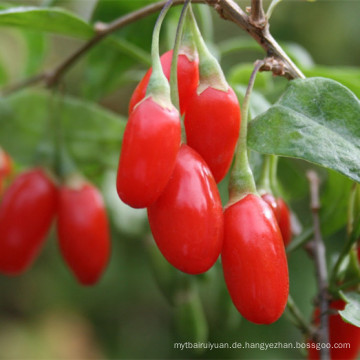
(150, 145)
(83, 231)
(188, 78)
(341, 333)
(254, 260)
(26, 213)
(187, 219)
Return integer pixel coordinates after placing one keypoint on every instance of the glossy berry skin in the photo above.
(83, 231)
(212, 124)
(272, 202)
(340, 333)
(150, 145)
(187, 219)
(27, 210)
(188, 78)
(284, 221)
(254, 260)
(282, 214)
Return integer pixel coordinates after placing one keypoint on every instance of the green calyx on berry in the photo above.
(159, 88)
(242, 180)
(174, 92)
(211, 74)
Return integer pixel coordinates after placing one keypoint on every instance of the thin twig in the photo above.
(229, 10)
(320, 263)
(278, 62)
(257, 16)
(299, 320)
(102, 30)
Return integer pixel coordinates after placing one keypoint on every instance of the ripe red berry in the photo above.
(187, 219)
(150, 144)
(212, 123)
(272, 202)
(340, 333)
(254, 260)
(284, 221)
(26, 213)
(282, 214)
(188, 78)
(83, 232)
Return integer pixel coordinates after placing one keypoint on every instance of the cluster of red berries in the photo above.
(176, 182)
(27, 210)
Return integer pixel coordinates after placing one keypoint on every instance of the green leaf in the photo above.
(54, 20)
(334, 202)
(3, 74)
(317, 120)
(92, 133)
(36, 46)
(346, 75)
(119, 56)
(351, 313)
(258, 103)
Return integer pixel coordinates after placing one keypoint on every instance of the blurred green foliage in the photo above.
(139, 310)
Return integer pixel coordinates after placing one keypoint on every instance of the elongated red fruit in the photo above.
(83, 231)
(284, 221)
(26, 212)
(254, 260)
(150, 144)
(187, 219)
(188, 78)
(212, 123)
(344, 338)
(282, 214)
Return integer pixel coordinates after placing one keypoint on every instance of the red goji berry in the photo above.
(188, 78)
(150, 145)
(83, 231)
(187, 219)
(26, 213)
(212, 124)
(282, 214)
(341, 333)
(254, 260)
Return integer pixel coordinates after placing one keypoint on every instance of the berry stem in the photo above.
(242, 180)
(268, 179)
(158, 85)
(174, 91)
(265, 181)
(352, 208)
(211, 74)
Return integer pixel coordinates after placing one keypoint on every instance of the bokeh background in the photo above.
(45, 314)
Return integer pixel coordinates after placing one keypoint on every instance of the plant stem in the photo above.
(257, 13)
(226, 8)
(158, 84)
(300, 240)
(242, 180)
(174, 91)
(353, 237)
(230, 10)
(268, 177)
(211, 74)
(271, 8)
(320, 262)
(299, 319)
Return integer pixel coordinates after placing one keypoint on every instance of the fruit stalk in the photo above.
(242, 180)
